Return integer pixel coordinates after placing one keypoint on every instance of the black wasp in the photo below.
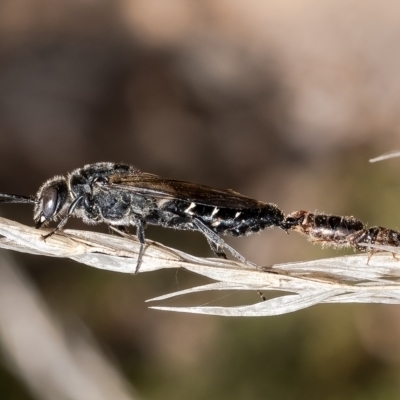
(120, 196)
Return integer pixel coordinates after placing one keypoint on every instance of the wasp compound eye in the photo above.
(51, 198)
(49, 201)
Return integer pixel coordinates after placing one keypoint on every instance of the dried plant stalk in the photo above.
(349, 279)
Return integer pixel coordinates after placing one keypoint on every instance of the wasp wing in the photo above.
(145, 184)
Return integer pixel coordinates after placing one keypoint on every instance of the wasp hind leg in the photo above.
(217, 243)
(217, 249)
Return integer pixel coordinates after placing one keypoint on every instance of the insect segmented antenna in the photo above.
(330, 230)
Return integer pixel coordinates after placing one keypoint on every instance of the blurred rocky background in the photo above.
(282, 101)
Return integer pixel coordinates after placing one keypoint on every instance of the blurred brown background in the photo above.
(282, 101)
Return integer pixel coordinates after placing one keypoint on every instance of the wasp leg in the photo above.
(217, 249)
(121, 230)
(140, 225)
(124, 232)
(61, 224)
(218, 241)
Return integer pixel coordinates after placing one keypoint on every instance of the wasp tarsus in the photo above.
(121, 195)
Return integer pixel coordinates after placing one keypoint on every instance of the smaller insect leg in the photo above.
(218, 242)
(61, 224)
(370, 254)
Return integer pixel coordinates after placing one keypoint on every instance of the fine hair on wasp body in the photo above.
(120, 195)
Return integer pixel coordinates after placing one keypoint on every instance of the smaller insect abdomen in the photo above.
(376, 235)
(334, 228)
(330, 229)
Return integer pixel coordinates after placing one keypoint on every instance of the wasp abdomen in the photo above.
(231, 221)
(246, 222)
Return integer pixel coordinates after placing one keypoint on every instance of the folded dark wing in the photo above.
(144, 184)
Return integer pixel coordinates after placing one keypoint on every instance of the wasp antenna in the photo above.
(16, 198)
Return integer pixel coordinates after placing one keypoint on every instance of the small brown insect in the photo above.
(329, 230)
(332, 230)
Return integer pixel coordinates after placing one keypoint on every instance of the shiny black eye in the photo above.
(49, 202)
